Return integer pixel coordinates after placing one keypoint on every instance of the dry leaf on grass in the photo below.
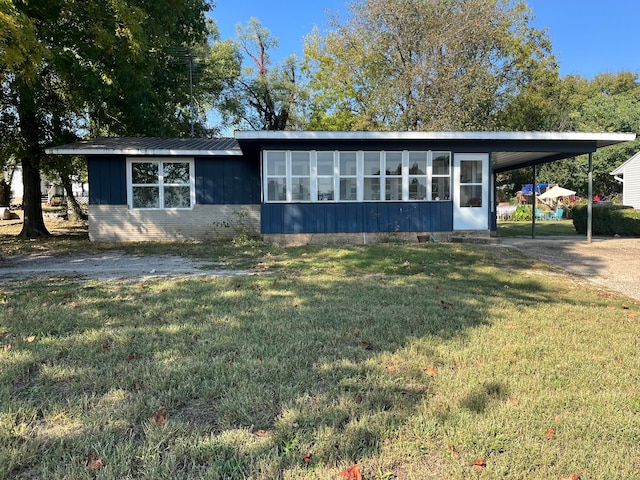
(549, 434)
(351, 473)
(573, 476)
(93, 461)
(479, 464)
(307, 458)
(430, 371)
(159, 416)
(453, 450)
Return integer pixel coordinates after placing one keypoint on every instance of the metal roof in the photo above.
(150, 146)
(510, 150)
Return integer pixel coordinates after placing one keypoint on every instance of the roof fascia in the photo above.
(141, 152)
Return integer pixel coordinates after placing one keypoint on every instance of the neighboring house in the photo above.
(629, 175)
(311, 187)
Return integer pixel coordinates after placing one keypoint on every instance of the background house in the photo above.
(629, 175)
(308, 187)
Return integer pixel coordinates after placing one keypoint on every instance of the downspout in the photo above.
(590, 202)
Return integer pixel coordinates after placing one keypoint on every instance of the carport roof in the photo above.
(509, 150)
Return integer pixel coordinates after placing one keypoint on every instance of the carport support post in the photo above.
(533, 209)
(590, 202)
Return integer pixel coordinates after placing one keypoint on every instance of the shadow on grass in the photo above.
(253, 372)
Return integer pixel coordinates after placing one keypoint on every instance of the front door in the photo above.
(471, 191)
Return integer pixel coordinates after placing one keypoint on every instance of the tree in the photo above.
(423, 64)
(263, 97)
(96, 67)
(608, 103)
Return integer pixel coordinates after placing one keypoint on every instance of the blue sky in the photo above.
(588, 36)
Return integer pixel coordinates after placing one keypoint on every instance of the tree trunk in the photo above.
(71, 199)
(33, 224)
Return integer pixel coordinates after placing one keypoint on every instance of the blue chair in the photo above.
(558, 214)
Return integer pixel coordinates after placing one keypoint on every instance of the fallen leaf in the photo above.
(351, 473)
(512, 326)
(430, 371)
(391, 368)
(453, 450)
(59, 416)
(307, 458)
(573, 476)
(633, 315)
(625, 307)
(386, 442)
(31, 339)
(479, 464)
(131, 356)
(93, 461)
(261, 433)
(550, 434)
(106, 346)
(159, 416)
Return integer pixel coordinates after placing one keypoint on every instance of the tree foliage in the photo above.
(264, 97)
(423, 64)
(99, 67)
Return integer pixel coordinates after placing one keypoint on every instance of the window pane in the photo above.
(417, 163)
(394, 189)
(325, 189)
(146, 197)
(394, 163)
(300, 189)
(277, 190)
(440, 188)
(471, 171)
(144, 172)
(348, 189)
(441, 163)
(471, 195)
(276, 163)
(348, 163)
(371, 163)
(325, 163)
(418, 188)
(300, 163)
(372, 188)
(177, 197)
(177, 172)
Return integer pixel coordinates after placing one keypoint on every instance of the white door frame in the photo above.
(471, 194)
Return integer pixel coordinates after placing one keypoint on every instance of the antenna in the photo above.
(186, 53)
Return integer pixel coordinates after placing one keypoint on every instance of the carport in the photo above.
(530, 149)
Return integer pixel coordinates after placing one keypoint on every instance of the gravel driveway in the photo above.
(613, 263)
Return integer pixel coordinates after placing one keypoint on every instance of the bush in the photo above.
(608, 220)
(522, 214)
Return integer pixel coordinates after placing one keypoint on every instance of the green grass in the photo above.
(543, 228)
(384, 356)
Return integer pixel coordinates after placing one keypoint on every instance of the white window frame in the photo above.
(359, 176)
(161, 185)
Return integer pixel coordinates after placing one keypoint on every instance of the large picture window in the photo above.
(160, 184)
(356, 176)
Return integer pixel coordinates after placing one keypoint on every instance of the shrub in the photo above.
(608, 220)
(522, 213)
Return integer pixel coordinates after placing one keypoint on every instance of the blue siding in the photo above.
(356, 217)
(227, 181)
(107, 180)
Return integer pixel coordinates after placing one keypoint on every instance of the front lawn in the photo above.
(543, 228)
(409, 361)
